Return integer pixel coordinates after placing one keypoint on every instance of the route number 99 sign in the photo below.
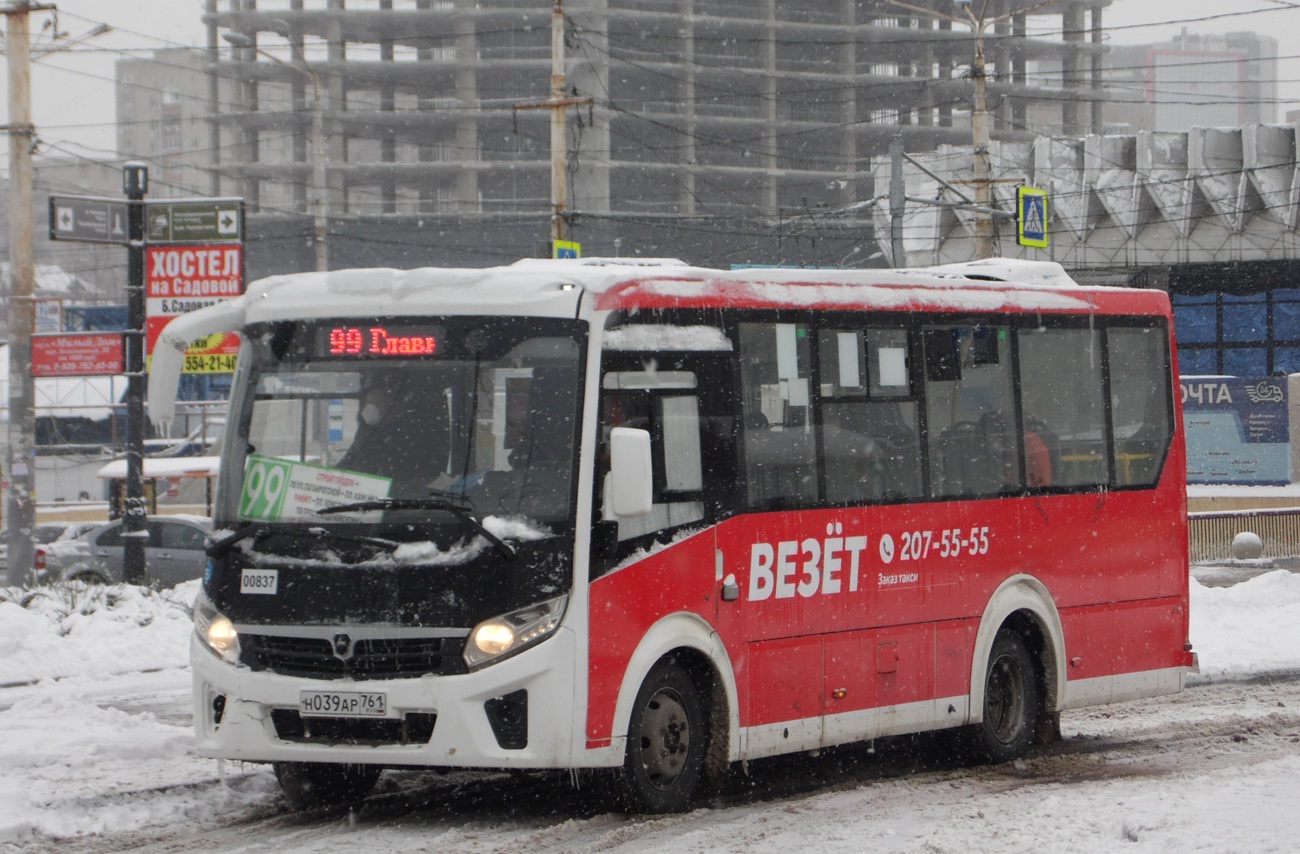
(277, 490)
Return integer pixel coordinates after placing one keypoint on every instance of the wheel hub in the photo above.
(665, 739)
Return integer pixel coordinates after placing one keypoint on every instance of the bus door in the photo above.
(839, 438)
(773, 626)
(645, 568)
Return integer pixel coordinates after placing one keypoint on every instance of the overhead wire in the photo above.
(740, 144)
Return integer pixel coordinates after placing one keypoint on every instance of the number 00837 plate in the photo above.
(343, 704)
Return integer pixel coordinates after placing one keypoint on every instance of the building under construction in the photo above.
(754, 111)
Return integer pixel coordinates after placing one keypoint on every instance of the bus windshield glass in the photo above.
(407, 429)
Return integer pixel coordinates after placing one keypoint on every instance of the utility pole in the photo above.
(980, 120)
(135, 511)
(897, 202)
(20, 504)
(981, 126)
(559, 104)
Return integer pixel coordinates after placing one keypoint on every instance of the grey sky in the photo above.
(73, 91)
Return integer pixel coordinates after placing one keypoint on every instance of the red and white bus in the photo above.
(661, 519)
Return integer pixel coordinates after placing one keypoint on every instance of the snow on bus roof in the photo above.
(1009, 270)
(426, 290)
(948, 288)
(543, 287)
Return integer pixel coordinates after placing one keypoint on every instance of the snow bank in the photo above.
(74, 630)
(1247, 629)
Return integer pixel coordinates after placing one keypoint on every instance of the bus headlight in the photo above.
(503, 636)
(216, 631)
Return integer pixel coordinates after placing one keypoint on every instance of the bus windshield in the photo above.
(401, 431)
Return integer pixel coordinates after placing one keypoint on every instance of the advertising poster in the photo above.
(1237, 430)
(77, 355)
(180, 279)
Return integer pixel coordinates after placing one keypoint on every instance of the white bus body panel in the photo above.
(462, 736)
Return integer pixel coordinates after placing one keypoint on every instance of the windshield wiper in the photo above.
(258, 529)
(454, 508)
(218, 548)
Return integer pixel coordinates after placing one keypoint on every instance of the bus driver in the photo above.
(394, 439)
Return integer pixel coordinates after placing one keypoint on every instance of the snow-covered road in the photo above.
(95, 762)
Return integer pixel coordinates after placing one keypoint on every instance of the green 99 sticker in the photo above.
(265, 480)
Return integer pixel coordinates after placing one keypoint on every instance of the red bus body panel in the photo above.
(851, 626)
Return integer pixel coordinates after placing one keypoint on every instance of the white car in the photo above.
(173, 552)
(43, 534)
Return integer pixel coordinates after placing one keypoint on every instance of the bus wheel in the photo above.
(316, 784)
(666, 742)
(1012, 697)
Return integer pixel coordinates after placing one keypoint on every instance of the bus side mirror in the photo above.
(631, 474)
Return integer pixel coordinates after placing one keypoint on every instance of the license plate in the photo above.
(343, 704)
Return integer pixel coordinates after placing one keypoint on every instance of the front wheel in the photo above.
(666, 742)
(316, 784)
(1012, 701)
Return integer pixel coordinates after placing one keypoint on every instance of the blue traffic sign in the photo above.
(1031, 210)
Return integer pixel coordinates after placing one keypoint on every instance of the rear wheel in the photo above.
(666, 742)
(315, 784)
(1012, 701)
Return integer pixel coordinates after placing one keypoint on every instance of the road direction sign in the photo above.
(87, 219)
(194, 221)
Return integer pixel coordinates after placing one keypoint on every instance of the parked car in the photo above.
(43, 534)
(173, 552)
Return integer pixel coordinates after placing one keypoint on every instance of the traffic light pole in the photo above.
(135, 183)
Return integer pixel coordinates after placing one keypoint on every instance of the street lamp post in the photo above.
(318, 197)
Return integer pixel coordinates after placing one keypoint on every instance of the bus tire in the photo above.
(318, 784)
(1012, 701)
(666, 742)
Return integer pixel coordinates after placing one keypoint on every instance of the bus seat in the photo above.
(969, 467)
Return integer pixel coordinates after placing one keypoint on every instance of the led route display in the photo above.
(346, 341)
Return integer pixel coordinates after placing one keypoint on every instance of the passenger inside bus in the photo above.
(1042, 452)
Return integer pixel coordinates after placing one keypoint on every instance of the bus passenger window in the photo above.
(675, 426)
(1140, 402)
(870, 437)
(778, 442)
(680, 421)
(970, 407)
(1061, 398)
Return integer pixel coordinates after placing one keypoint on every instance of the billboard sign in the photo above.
(180, 279)
(77, 355)
(1238, 431)
(49, 314)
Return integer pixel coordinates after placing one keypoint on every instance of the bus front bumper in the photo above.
(503, 716)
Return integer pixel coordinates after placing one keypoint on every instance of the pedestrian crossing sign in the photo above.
(1031, 208)
(566, 249)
